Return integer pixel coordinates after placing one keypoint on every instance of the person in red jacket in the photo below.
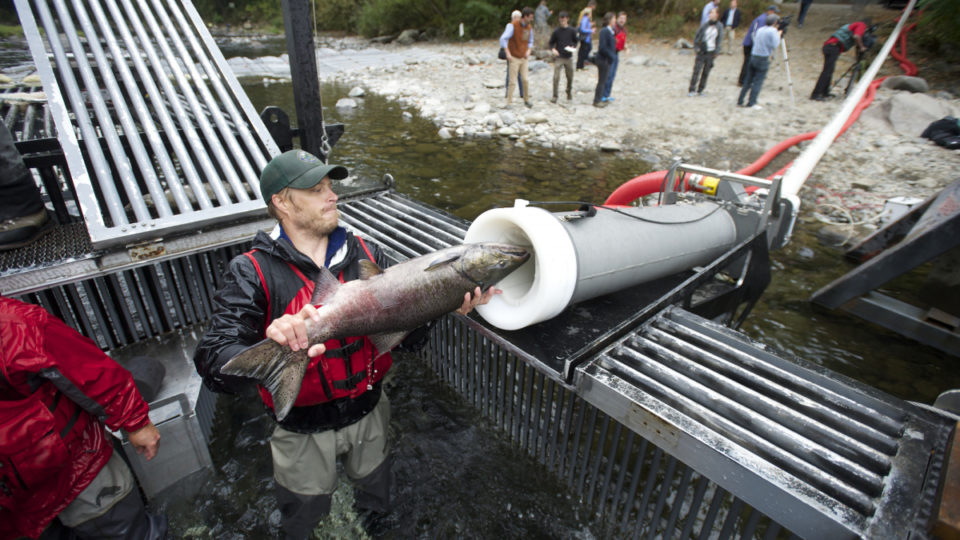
(57, 464)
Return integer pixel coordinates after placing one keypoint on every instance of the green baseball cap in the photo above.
(296, 169)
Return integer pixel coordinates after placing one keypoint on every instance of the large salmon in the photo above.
(382, 304)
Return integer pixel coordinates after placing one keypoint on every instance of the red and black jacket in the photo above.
(264, 284)
(57, 389)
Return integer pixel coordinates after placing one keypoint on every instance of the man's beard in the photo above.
(316, 223)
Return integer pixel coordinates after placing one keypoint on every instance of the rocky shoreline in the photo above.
(460, 87)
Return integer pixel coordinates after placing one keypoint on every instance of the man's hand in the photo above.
(476, 299)
(291, 330)
(145, 440)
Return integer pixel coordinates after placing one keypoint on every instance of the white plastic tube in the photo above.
(577, 258)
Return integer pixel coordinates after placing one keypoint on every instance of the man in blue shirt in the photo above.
(757, 24)
(705, 14)
(606, 52)
(585, 28)
(765, 43)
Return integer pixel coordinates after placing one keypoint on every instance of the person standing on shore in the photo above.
(765, 43)
(606, 52)
(707, 45)
(757, 24)
(585, 33)
(707, 8)
(541, 24)
(620, 35)
(514, 17)
(730, 20)
(804, 6)
(517, 41)
(562, 43)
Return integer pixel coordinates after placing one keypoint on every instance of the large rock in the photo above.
(905, 82)
(535, 118)
(408, 37)
(346, 103)
(910, 114)
(538, 65)
(508, 118)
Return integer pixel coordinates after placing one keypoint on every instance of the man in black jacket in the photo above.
(563, 42)
(707, 44)
(730, 20)
(341, 408)
(606, 52)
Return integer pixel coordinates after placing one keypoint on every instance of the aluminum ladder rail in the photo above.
(157, 133)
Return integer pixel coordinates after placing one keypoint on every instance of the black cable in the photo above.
(617, 210)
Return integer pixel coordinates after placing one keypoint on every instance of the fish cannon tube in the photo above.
(576, 256)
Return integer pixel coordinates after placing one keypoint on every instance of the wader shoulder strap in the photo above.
(366, 249)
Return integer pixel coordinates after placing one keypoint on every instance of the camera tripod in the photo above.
(853, 72)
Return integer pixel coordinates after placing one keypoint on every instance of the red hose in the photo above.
(651, 182)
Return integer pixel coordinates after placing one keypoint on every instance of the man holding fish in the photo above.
(309, 314)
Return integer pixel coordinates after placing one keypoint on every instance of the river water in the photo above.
(456, 475)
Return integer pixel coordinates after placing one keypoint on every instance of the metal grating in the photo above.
(157, 133)
(823, 455)
(632, 487)
(404, 227)
(129, 306)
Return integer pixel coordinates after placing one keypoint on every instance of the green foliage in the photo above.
(381, 17)
(481, 19)
(939, 26)
(667, 26)
(8, 30)
(338, 14)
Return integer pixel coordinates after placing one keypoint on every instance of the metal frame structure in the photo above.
(157, 133)
(664, 422)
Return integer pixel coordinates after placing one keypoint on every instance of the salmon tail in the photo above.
(276, 368)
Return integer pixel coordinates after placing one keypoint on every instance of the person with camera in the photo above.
(765, 43)
(844, 39)
(755, 26)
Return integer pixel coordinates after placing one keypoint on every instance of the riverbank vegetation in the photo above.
(938, 30)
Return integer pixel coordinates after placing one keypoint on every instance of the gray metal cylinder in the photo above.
(576, 258)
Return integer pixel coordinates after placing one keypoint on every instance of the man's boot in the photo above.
(23, 217)
(20, 231)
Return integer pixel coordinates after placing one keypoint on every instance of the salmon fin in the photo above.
(440, 261)
(387, 341)
(276, 368)
(324, 287)
(368, 269)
